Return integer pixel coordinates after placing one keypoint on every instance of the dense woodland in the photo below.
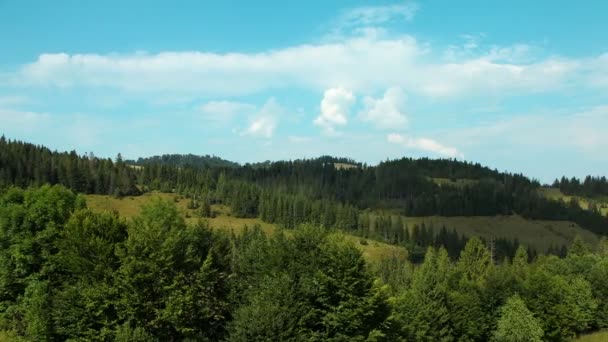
(67, 273)
(23, 164)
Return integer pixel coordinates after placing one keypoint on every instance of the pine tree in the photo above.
(475, 260)
(517, 323)
(578, 247)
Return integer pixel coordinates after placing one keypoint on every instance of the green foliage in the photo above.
(517, 323)
(67, 273)
(421, 313)
(563, 305)
(23, 164)
(173, 283)
(127, 334)
(36, 314)
(578, 247)
(475, 260)
(318, 289)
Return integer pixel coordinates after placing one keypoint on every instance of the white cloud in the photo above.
(386, 112)
(264, 123)
(22, 120)
(370, 16)
(424, 144)
(362, 64)
(225, 111)
(335, 106)
(582, 130)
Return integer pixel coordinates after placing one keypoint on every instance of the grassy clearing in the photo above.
(556, 194)
(375, 251)
(461, 182)
(539, 234)
(345, 166)
(131, 206)
(600, 336)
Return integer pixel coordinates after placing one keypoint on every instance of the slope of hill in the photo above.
(131, 206)
(299, 191)
(538, 234)
(601, 203)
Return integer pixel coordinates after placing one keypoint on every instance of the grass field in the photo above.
(556, 194)
(539, 234)
(601, 336)
(461, 182)
(131, 206)
(345, 166)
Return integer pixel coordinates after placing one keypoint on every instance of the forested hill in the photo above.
(295, 192)
(185, 160)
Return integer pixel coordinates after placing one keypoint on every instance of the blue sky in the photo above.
(519, 85)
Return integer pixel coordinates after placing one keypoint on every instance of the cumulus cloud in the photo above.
(424, 144)
(225, 111)
(335, 106)
(265, 121)
(386, 112)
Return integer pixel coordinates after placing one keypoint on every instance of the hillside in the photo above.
(129, 207)
(538, 234)
(328, 191)
(599, 202)
(379, 243)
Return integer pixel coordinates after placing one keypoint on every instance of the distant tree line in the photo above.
(185, 160)
(591, 186)
(23, 164)
(309, 190)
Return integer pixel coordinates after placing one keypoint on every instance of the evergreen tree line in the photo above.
(68, 273)
(405, 184)
(185, 160)
(291, 211)
(23, 164)
(591, 186)
(278, 203)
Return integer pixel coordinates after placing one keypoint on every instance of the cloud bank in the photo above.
(361, 64)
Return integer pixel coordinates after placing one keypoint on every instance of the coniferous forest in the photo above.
(70, 273)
